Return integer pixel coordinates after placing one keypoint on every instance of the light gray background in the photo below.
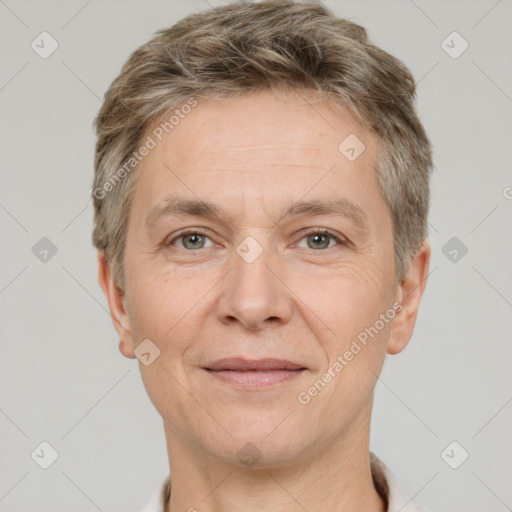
(63, 379)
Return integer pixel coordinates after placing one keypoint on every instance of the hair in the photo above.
(247, 47)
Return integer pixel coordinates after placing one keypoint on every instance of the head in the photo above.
(261, 192)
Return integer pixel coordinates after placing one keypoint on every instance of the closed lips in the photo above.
(254, 375)
(244, 365)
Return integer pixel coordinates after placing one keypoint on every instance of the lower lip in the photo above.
(254, 379)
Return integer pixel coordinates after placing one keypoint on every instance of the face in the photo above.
(259, 262)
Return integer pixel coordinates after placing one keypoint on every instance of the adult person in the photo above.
(261, 195)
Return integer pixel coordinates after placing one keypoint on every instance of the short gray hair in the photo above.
(278, 45)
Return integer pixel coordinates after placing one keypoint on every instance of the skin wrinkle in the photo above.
(198, 306)
(176, 207)
(278, 165)
(248, 147)
(356, 74)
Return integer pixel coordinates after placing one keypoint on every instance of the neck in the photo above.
(335, 477)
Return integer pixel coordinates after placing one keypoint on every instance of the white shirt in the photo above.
(384, 481)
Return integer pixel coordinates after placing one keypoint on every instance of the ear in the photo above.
(116, 303)
(410, 292)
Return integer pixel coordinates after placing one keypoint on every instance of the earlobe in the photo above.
(409, 295)
(116, 303)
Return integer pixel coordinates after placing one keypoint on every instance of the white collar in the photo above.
(398, 501)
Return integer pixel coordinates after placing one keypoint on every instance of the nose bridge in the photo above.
(253, 294)
(251, 269)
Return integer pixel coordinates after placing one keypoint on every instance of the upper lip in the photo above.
(242, 364)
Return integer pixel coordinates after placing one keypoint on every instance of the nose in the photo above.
(254, 293)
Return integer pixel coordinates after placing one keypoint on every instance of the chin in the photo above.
(262, 442)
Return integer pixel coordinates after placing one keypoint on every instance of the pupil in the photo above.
(318, 238)
(194, 239)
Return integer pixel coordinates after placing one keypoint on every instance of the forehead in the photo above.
(256, 149)
(295, 128)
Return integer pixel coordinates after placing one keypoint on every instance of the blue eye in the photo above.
(321, 239)
(316, 239)
(191, 240)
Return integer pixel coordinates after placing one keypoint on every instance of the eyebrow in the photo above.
(175, 206)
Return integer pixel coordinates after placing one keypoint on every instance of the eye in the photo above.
(190, 240)
(316, 239)
(321, 239)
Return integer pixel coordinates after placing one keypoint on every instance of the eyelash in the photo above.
(316, 231)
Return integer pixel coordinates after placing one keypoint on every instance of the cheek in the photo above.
(170, 318)
(349, 299)
(164, 310)
(354, 354)
(357, 311)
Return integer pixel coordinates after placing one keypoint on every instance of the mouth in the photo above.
(254, 374)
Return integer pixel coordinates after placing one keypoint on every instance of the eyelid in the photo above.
(306, 231)
(340, 239)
